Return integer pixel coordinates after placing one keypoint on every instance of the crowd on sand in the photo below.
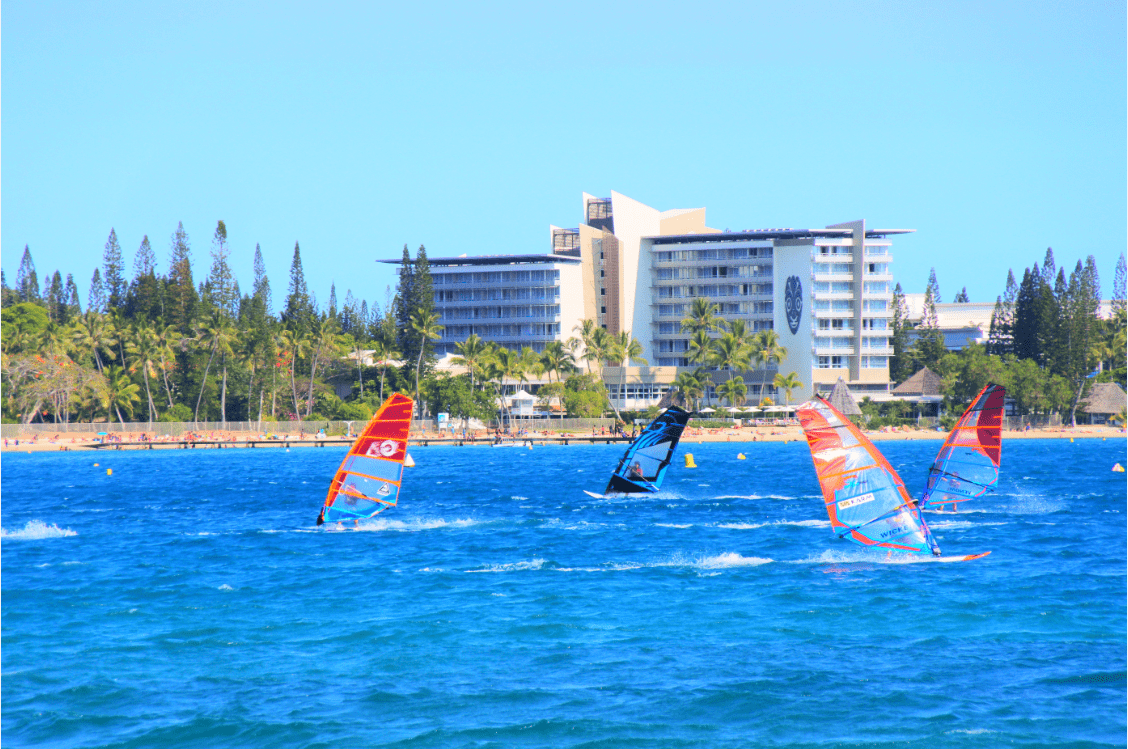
(774, 432)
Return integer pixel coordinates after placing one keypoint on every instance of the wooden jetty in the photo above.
(567, 439)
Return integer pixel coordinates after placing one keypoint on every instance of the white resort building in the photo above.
(827, 292)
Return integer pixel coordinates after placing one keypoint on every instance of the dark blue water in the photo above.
(188, 600)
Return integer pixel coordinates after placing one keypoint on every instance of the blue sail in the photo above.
(643, 466)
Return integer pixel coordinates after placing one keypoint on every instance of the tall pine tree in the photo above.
(221, 282)
(143, 299)
(113, 276)
(96, 298)
(261, 290)
(404, 304)
(332, 299)
(53, 293)
(298, 313)
(933, 287)
(1119, 290)
(27, 281)
(74, 306)
(900, 367)
(180, 296)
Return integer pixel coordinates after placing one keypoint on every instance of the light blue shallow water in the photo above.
(188, 600)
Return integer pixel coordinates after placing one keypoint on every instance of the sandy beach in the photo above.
(64, 442)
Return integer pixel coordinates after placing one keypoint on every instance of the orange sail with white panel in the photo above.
(368, 481)
(865, 498)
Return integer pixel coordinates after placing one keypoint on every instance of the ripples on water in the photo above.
(189, 600)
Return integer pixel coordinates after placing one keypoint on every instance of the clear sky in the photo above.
(995, 129)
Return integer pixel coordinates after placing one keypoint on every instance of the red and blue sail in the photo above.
(368, 481)
(643, 466)
(865, 498)
(967, 466)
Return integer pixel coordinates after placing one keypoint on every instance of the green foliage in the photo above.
(25, 321)
(584, 396)
(178, 412)
(454, 395)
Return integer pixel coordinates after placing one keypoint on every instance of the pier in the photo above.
(567, 439)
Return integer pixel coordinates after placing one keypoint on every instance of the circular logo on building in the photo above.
(793, 303)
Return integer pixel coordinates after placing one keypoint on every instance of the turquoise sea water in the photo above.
(189, 601)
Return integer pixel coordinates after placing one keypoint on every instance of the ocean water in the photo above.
(188, 600)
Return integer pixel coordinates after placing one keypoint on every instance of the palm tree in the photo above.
(787, 383)
(586, 329)
(732, 354)
(767, 350)
(472, 354)
(121, 392)
(426, 324)
(94, 333)
(382, 352)
(294, 345)
(690, 388)
(166, 342)
(218, 333)
(702, 316)
(700, 348)
(597, 349)
(556, 358)
(624, 349)
(733, 390)
(142, 344)
(508, 364)
(324, 346)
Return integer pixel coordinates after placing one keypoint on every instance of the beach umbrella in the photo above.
(708, 410)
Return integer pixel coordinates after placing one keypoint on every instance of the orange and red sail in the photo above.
(865, 498)
(368, 481)
(967, 466)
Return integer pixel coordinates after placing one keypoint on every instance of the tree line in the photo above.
(1047, 341)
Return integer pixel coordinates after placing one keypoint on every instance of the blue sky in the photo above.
(994, 129)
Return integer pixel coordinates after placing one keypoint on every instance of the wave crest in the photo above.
(36, 530)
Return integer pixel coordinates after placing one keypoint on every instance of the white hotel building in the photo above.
(827, 292)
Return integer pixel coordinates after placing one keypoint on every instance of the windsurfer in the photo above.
(321, 516)
(636, 471)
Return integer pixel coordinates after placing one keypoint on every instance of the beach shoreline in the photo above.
(64, 442)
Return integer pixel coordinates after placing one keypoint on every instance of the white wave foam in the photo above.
(674, 525)
(225, 586)
(756, 496)
(970, 731)
(875, 556)
(532, 564)
(949, 524)
(36, 530)
(729, 560)
(411, 526)
(797, 523)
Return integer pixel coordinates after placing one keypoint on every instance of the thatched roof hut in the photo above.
(841, 398)
(1104, 400)
(924, 382)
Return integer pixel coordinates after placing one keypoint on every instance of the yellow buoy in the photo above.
(109, 471)
(1070, 439)
(689, 461)
(95, 465)
(740, 456)
(1118, 468)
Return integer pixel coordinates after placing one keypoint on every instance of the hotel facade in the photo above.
(827, 292)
